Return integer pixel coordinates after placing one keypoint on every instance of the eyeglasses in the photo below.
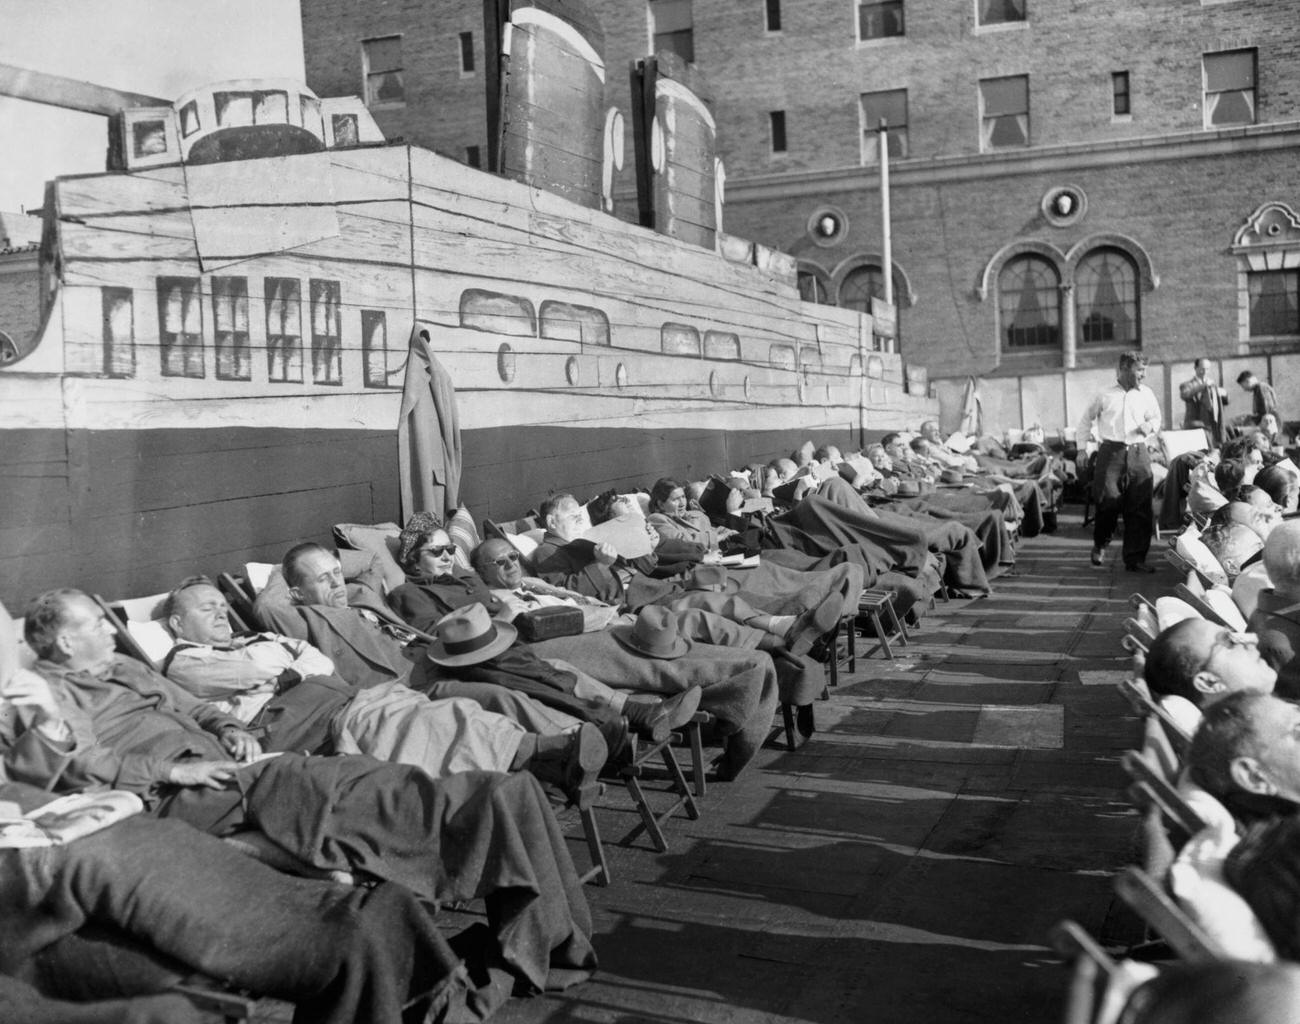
(1225, 640)
(506, 560)
(439, 552)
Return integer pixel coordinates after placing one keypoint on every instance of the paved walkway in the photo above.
(906, 863)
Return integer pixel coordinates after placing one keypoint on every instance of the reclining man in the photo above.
(1195, 663)
(1245, 755)
(107, 905)
(280, 685)
(310, 600)
(102, 720)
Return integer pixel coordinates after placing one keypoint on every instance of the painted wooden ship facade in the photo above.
(219, 368)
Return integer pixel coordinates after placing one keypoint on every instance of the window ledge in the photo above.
(1121, 118)
(871, 44)
(1001, 26)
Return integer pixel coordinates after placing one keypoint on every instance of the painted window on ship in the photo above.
(283, 330)
(381, 365)
(230, 328)
(119, 331)
(566, 322)
(679, 339)
(180, 327)
(326, 333)
(721, 345)
(782, 357)
(482, 310)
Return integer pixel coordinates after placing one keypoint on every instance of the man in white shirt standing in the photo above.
(1126, 414)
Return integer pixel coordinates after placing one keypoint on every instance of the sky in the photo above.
(155, 47)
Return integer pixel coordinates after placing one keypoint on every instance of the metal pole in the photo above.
(887, 253)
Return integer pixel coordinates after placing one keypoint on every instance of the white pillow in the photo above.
(526, 545)
(1186, 715)
(1193, 549)
(258, 574)
(1220, 599)
(1170, 610)
(1196, 879)
(153, 638)
(1247, 587)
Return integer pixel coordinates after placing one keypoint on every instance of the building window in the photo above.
(814, 285)
(239, 109)
(879, 19)
(672, 28)
(1106, 299)
(467, 53)
(1000, 12)
(374, 349)
(283, 330)
(230, 328)
(776, 124)
(473, 156)
(773, 16)
(891, 107)
(1004, 113)
(860, 286)
(1120, 103)
(382, 66)
(1029, 303)
(180, 327)
(1274, 303)
(119, 331)
(1229, 88)
(326, 333)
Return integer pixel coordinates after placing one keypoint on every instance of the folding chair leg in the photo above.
(679, 784)
(647, 816)
(787, 721)
(852, 627)
(598, 874)
(899, 629)
(834, 667)
(695, 740)
(881, 635)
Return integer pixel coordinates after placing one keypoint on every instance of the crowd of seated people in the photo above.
(396, 726)
(1219, 659)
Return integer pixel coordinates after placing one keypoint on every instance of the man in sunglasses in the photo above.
(501, 568)
(1195, 663)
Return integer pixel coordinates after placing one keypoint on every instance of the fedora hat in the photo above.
(908, 488)
(468, 636)
(654, 634)
(711, 577)
(951, 476)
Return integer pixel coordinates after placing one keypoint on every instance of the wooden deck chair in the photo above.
(1150, 902)
(136, 609)
(1136, 648)
(641, 766)
(1139, 697)
(1203, 607)
(239, 594)
(1092, 971)
(1153, 784)
(1133, 627)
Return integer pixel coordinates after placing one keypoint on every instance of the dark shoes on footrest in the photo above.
(1139, 567)
(655, 721)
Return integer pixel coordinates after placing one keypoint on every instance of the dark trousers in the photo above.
(1121, 485)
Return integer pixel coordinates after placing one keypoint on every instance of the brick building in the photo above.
(1068, 178)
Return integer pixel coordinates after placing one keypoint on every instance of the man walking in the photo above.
(1126, 414)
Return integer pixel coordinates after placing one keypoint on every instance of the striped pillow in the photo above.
(460, 527)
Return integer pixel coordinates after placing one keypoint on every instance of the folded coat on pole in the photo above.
(428, 434)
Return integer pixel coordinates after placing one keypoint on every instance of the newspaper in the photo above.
(627, 535)
(66, 819)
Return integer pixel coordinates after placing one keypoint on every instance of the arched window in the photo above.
(814, 284)
(1029, 302)
(1106, 299)
(860, 285)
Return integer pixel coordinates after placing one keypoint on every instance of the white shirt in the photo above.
(1120, 413)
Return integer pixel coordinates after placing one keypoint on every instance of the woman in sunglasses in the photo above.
(436, 583)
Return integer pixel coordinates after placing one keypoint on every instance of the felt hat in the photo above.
(469, 636)
(711, 577)
(653, 635)
(951, 476)
(908, 488)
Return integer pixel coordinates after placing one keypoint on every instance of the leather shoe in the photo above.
(654, 721)
(811, 626)
(1098, 558)
(1139, 567)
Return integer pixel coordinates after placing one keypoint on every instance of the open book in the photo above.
(739, 561)
(67, 818)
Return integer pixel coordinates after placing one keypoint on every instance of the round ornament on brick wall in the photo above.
(827, 226)
(1064, 205)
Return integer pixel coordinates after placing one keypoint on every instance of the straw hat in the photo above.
(468, 636)
(711, 577)
(654, 634)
